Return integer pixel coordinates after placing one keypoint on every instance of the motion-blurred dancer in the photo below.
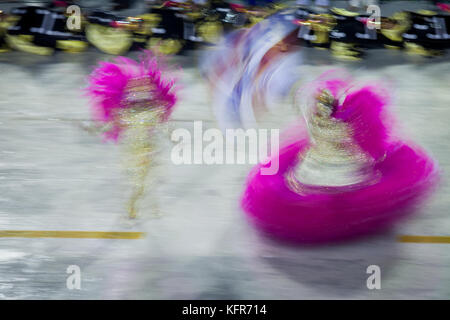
(132, 99)
(251, 69)
(345, 174)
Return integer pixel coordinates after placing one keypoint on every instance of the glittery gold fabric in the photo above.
(138, 121)
(333, 159)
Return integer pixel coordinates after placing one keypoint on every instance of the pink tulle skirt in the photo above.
(323, 214)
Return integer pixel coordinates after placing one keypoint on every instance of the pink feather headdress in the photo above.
(110, 81)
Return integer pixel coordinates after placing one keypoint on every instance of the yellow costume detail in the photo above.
(110, 40)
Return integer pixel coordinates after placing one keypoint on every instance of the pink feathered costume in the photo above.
(399, 178)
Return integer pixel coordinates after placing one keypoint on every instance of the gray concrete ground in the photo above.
(54, 175)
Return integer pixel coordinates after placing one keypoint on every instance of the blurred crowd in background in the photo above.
(346, 28)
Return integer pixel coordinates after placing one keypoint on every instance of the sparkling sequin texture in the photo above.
(133, 100)
(333, 158)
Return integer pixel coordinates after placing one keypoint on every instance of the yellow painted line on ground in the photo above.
(423, 239)
(71, 234)
(140, 235)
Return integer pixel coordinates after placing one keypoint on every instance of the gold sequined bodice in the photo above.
(333, 158)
